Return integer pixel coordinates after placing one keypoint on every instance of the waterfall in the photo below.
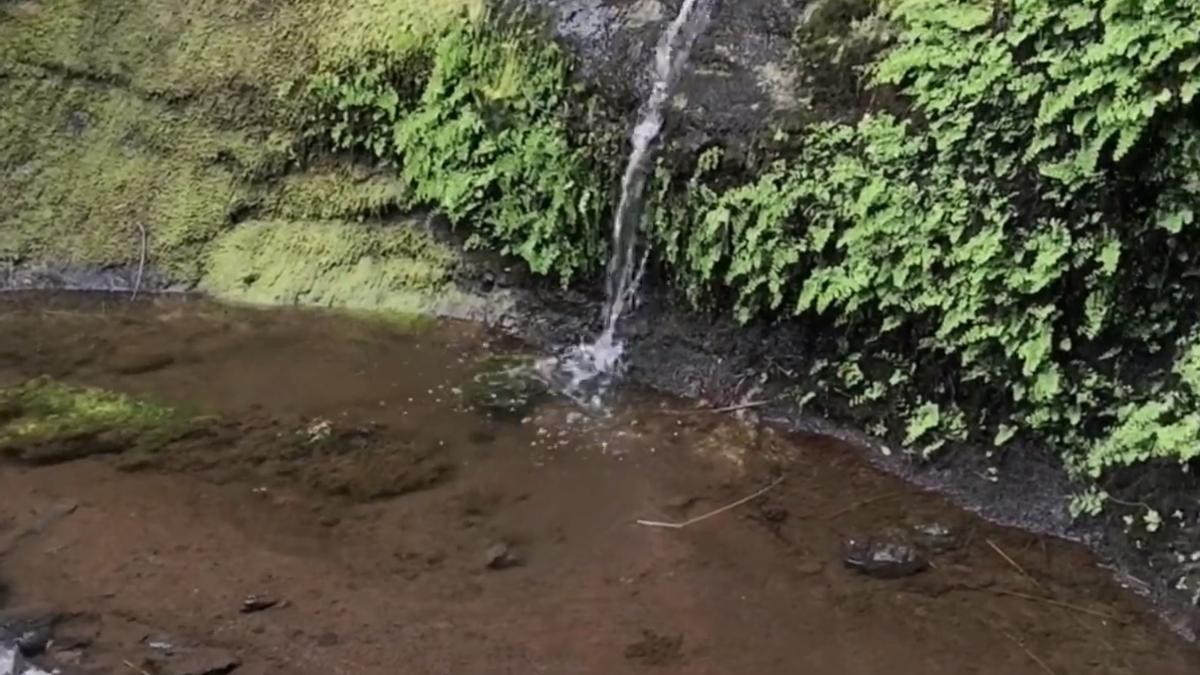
(588, 363)
(669, 59)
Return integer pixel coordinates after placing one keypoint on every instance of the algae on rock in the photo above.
(46, 421)
(397, 267)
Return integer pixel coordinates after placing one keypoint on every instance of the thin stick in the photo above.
(1012, 562)
(1049, 601)
(723, 509)
(134, 668)
(137, 284)
(1030, 654)
(717, 411)
(859, 504)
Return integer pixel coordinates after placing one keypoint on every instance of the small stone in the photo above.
(935, 537)
(500, 556)
(329, 521)
(257, 603)
(885, 558)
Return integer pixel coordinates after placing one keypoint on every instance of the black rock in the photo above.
(884, 558)
(34, 641)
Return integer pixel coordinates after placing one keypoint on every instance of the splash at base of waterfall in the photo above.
(584, 372)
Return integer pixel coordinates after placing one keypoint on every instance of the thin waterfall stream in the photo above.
(577, 372)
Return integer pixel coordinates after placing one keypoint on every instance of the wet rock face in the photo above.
(738, 76)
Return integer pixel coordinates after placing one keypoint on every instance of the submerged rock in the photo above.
(501, 556)
(936, 537)
(884, 558)
(508, 386)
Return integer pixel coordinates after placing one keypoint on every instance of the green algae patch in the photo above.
(399, 268)
(45, 421)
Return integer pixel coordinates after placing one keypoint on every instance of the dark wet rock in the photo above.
(936, 537)
(258, 603)
(656, 650)
(884, 558)
(501, 556)
(734, 86)
(33, 642)
(506, 386)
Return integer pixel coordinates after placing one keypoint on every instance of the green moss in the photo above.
(89, 165)
(133, 113)
(345, 192)
(330, 264)
(45, 421)
(387, 28)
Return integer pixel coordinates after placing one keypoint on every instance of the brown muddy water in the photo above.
(425, 534)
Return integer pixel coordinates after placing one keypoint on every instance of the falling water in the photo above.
(589, 362)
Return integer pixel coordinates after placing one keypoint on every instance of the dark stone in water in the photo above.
(505, 385)
(884, 558)
(258, 603)
(936, 537)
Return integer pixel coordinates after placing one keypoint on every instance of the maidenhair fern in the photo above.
(1025, 237)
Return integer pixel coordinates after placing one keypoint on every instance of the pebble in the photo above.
(500, 556)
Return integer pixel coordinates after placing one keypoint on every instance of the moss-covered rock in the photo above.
(333, 264)
(181, 122)
(45, 421)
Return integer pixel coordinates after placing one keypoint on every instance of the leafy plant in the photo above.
(1024, 235)
(484, 123)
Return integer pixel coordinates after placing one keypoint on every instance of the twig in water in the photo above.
(718, 411)
(1057, 603)
(137, 283)
(1012, 562)
(1030, 654)
(134, 668)
(858, 505)
(723, 509)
